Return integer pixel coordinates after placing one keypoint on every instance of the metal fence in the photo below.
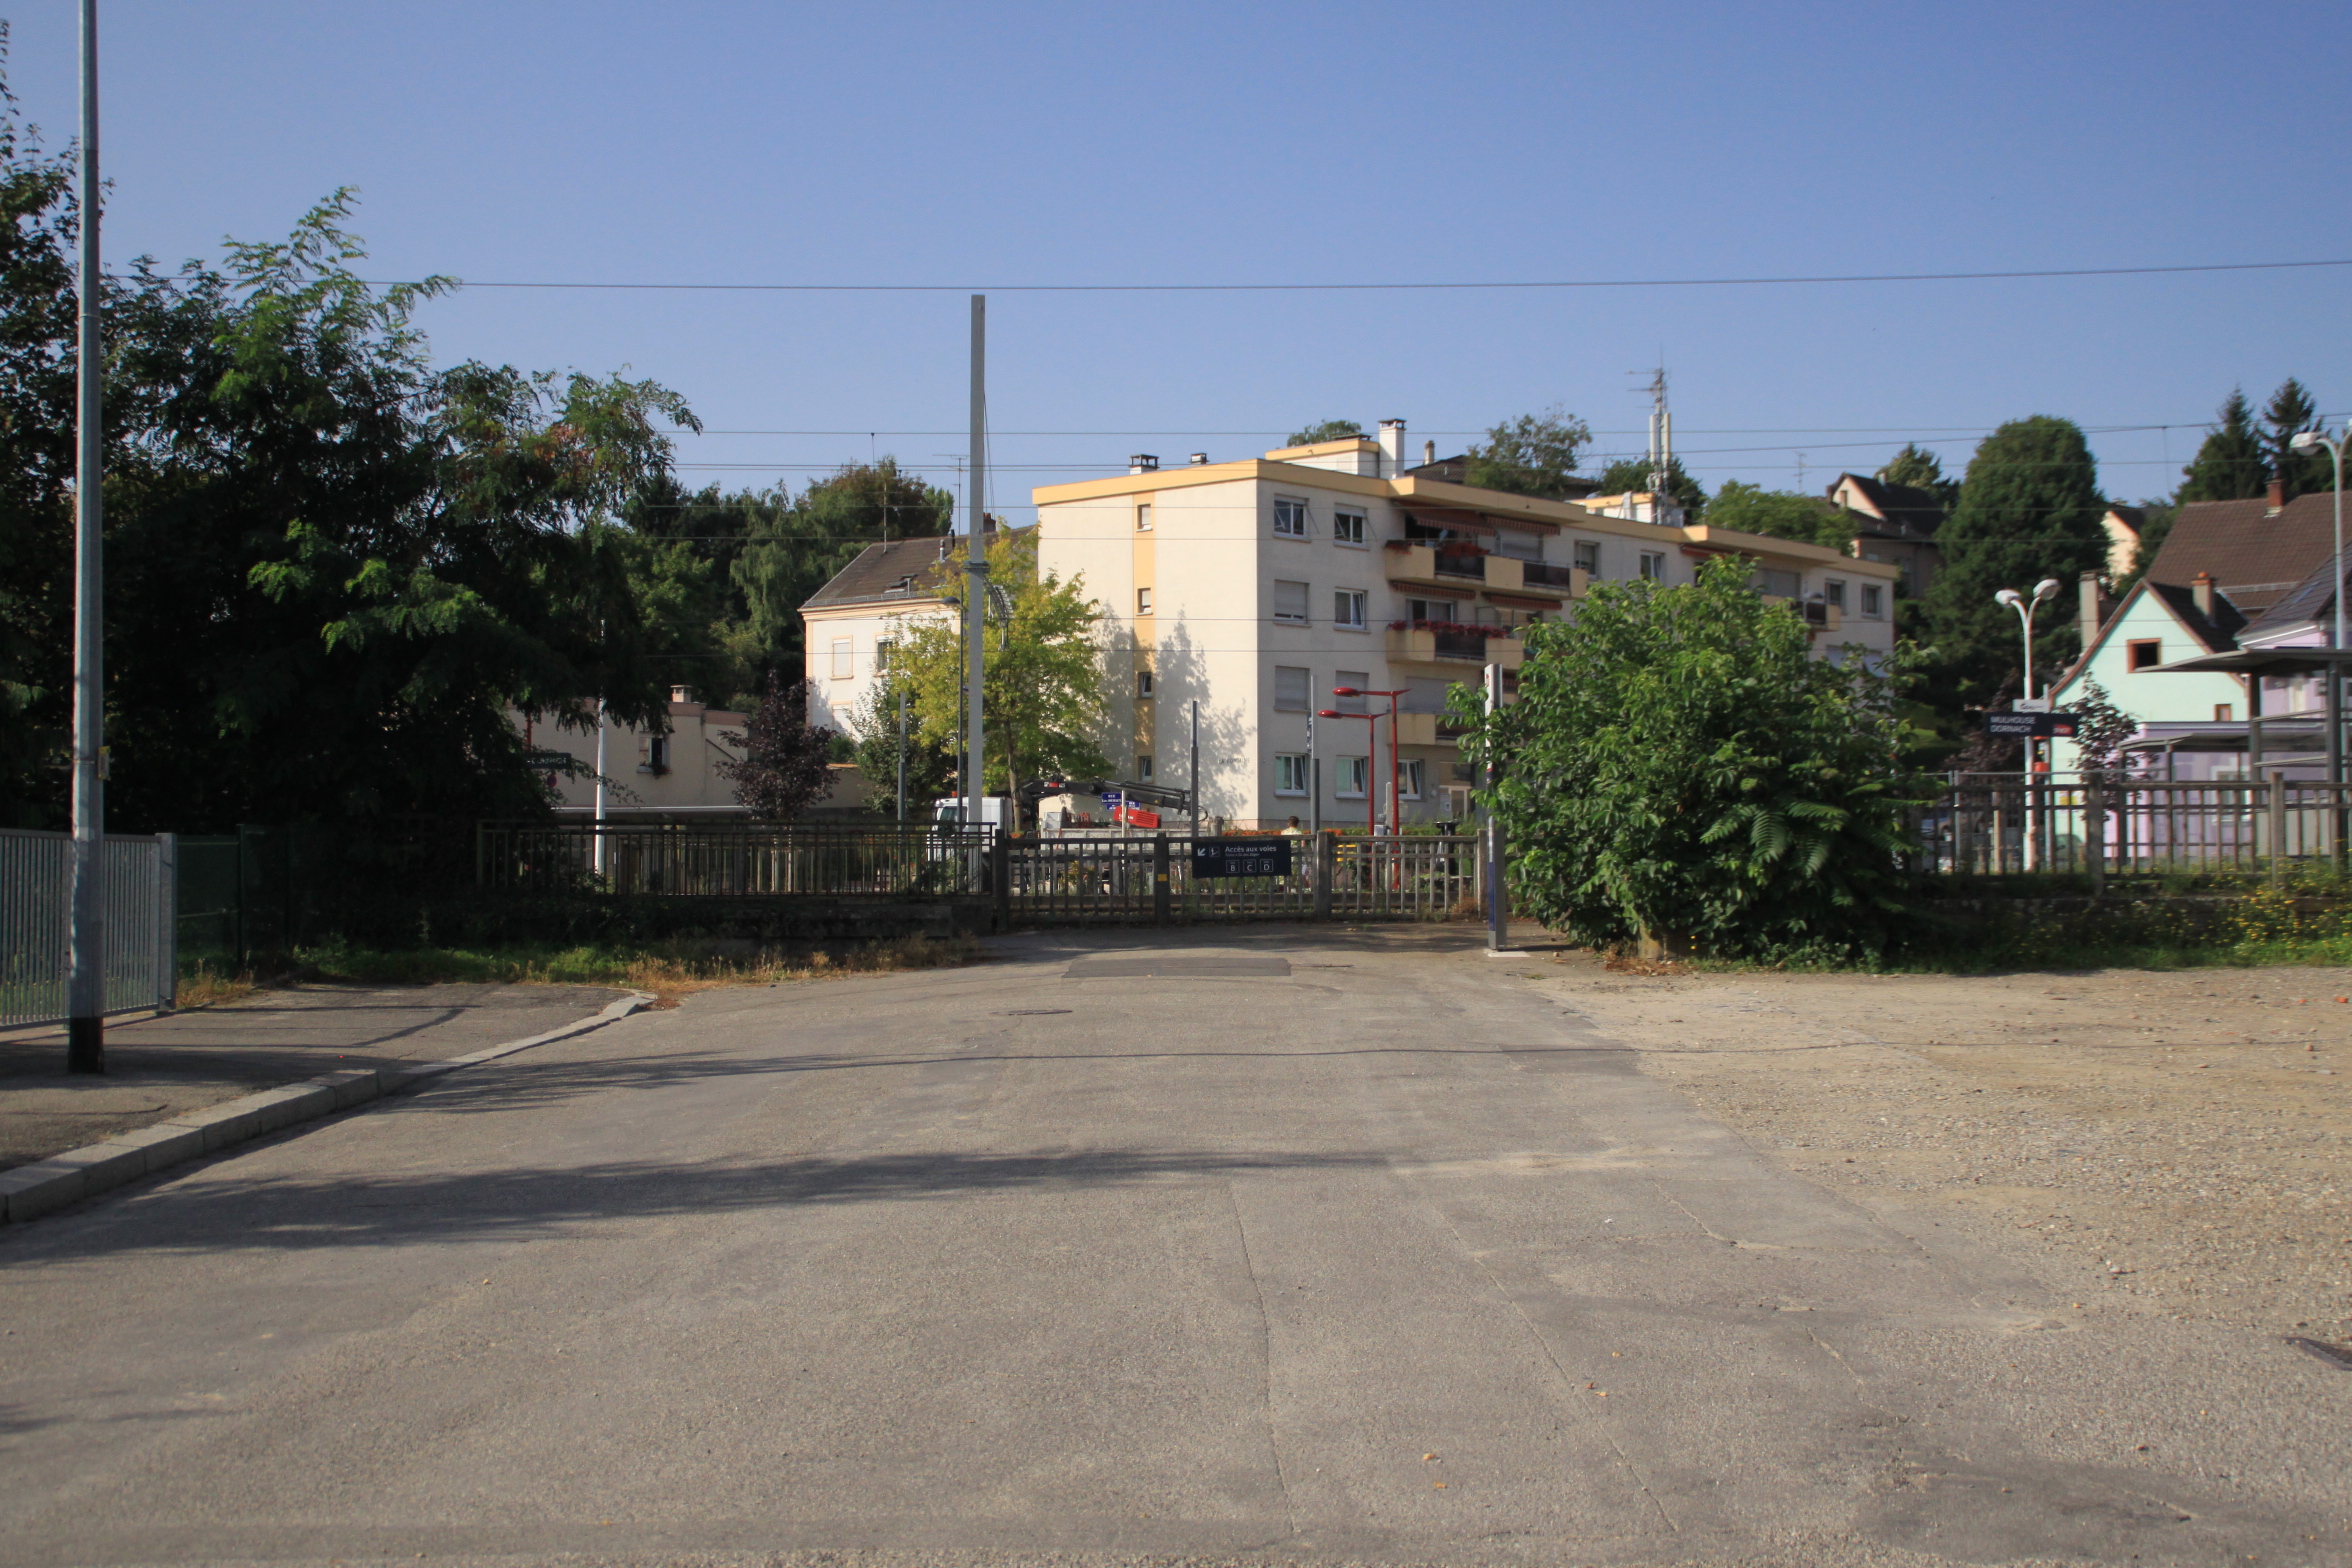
(700, 861)
(36, 898)
(1075, 880)
(2001, 823)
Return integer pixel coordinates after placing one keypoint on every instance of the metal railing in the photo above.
(1994, 824)
(700, 861)
(36, 883)
(1080, 879)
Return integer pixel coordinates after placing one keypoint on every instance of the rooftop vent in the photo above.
(1143, 463)
(1200, 459)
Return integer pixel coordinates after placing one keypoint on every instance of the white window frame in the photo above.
(1409, 771)
(1873, 602)
(1143, 767)
(1346, 768)
(1143, 517)
(1143, 601)
(1833, 592)
(1653, 566)
(844, 658)
(1349, 529)
(1290, 517)
(1349, 610)
(1306, 677)
(1584, 555)
(1306, 610)
(1143, 685)
(1294, 765)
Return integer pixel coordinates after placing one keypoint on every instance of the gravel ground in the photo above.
(2160, 1143)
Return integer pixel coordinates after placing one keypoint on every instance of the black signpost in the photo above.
(1241, 857)
(2031, 726)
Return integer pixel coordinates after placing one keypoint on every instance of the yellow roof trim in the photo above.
(1766, 544)
(1284, 454)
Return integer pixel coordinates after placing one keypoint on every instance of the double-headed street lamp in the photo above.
(2025, 608)
(1372, 799)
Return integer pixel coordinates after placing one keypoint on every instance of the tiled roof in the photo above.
(2309, 602)
(1905, 511)
(2218, 632)
(894, 571)
(2254, 555)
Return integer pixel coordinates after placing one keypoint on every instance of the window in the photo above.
(882, 649)
(1143, 517)
(1293, 690)
(1588, 557)
(1429, 609)
(1348, 775)
(1143, 601)
(1290, 518)
(1290, 773)
(1873, 597)
(844, 659)
(1143, 683)
(1653, 566)
(1409, 778)
(657, 756)
(2221, 713)
(1143, 768)
(2144, 655)
(1357, 679)
(1835, 592)
(1290, 602)
(1347, 528)
(1347, 609)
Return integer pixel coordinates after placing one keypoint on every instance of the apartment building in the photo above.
(848, 625)
(1254, 588)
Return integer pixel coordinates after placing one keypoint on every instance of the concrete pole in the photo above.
(599, 857)
(902, 756)
(1498, 899)
(1195, 769)
(976, 567)
(85, 1048)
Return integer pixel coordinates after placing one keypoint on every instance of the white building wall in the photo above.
(835, 688)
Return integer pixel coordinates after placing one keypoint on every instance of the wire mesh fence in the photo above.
(36, 897)
(1997, 824)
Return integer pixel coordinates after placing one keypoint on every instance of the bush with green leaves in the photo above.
(1680, 763)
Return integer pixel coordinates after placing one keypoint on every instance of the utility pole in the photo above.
(976, 566)
(902, 756)
(85, 1030)
(1195, 771)
(1498, 900)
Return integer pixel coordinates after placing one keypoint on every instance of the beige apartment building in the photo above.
(1254, 588)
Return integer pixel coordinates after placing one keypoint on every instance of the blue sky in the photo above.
(1012, 143)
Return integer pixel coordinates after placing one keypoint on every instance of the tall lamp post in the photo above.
(2025, 608)
(1372, 745)
(2312, 441)
(1396, 822)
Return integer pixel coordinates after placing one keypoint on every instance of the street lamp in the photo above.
(2025, 613)
(2312, 441)
(1396, 805)
(1372, 744)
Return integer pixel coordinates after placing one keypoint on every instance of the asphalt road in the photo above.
(1287, 1246)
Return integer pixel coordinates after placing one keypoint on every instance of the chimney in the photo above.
(1392, 447)
(2090, 610)
(2278, 497)
(1428, 453)
(1200, 459)
(2201, 590)
(1143, 463)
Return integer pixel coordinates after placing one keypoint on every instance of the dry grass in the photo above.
(203, 987)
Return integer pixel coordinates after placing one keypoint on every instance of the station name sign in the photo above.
(2031, 726)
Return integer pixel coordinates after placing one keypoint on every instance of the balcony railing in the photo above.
(1543, 574)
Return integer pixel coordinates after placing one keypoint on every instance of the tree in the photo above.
(1680, 764)
(1328, 430)
(930, 767)
(2230, 464)
(784, 756)
(1633, 473)
(790, 553)
(1780, 514)
(2290, 412)
(1920, 469)
(1534, 454)
(2029, 508)
(1043, 681)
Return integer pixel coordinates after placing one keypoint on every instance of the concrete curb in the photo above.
(35, 1189)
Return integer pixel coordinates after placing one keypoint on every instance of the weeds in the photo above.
(201, 986)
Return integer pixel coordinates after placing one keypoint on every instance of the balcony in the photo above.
(1435, 642)
(1816, 615)
(1542, 577)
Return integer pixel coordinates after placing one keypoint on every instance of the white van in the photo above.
(995, 811)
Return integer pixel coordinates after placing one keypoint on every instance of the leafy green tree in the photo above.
(1921, 469)
(1328, 430)
(790, 553)
(1780, 514)
(782, 768)
(2290, 412)
(2029, 508)
(1633, 473)
(1534, 454)
(875, 748)
(2230, 464)
(1681, 764)
(1043, 680)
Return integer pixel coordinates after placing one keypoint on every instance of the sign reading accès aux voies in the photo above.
(1241, 857)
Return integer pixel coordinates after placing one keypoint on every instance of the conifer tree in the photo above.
(2230, 465)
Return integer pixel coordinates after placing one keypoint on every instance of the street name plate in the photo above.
(1241, 857)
